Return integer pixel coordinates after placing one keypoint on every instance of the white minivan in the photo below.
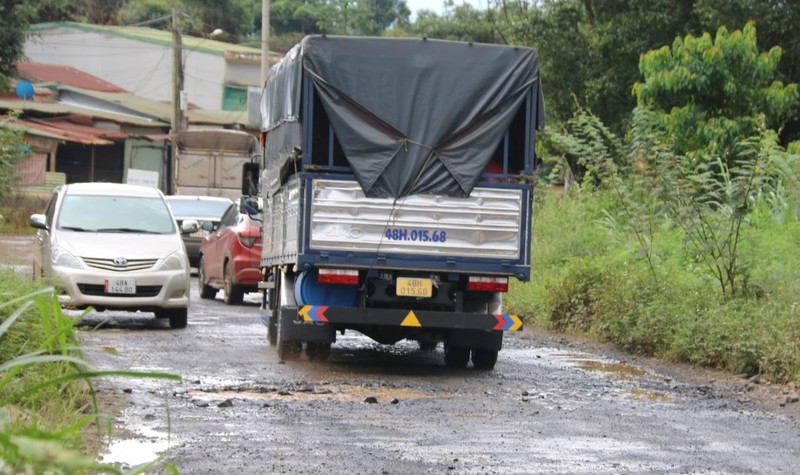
(114, 246)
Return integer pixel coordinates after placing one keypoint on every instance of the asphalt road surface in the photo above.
(551, 405)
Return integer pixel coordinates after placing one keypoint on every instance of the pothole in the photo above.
(332, 393)
(650, 396)
(615, 370)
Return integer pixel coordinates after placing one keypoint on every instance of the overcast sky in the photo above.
(438, 5)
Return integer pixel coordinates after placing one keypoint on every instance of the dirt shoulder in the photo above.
(776, 398)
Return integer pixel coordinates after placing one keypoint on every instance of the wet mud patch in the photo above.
(650, 396)
(612, 369)
(336, 393)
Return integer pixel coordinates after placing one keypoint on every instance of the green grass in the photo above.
(48, 404)
(17, 210)
(589, 278)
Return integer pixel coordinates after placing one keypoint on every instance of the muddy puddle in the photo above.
(146, 445)
(611, 369)
(330, 393)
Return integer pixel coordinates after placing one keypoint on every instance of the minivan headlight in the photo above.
(175, 261)
(60, 257)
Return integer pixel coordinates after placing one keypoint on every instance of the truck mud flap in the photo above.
(295, 329)
(317, 314)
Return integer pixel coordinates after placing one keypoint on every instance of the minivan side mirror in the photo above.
(189, 226)
(250, 178)
(38, 221)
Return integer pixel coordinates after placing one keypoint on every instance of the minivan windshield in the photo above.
(211, 209)
(115, 214)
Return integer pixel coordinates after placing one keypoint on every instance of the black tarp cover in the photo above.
(412, 115)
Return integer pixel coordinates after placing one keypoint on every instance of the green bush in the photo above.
(589, 277)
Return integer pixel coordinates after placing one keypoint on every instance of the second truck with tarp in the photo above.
(396, 177)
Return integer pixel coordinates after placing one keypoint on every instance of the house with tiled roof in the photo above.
(138, 59)
(82, 128)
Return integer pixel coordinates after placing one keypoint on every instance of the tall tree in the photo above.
(237, 18)
(13, 25)
(714, 92)
(362, 17)
(295, 16)
(590, 48)
(458, 23)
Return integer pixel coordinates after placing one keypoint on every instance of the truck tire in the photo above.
(287, 350)
(272, 331)
(206, 291)
(456, 357)
(318, 350)
(234, 294)
(484, 359)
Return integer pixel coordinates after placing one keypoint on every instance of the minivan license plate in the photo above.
(120, 286)
(413, 287)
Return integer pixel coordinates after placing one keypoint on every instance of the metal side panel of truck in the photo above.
(388, 213)
(487, 231)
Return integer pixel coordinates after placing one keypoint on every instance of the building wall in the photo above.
(142, 68)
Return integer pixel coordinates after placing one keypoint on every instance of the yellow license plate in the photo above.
(413, 287)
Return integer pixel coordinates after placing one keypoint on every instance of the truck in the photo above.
(208, 162)
(397, 184)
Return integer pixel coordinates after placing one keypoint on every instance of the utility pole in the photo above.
(177, 90)
(264, 41)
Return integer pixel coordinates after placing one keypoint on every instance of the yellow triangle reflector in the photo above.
(411, 320)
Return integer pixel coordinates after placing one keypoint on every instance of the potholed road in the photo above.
(548, 407)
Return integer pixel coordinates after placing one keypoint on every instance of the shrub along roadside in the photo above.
(16, 210)
(47, 398)
(589, 278)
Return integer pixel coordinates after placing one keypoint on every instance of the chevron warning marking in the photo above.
(507, 322)
(313, 313)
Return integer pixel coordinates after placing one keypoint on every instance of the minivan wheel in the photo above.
(234, 294)
(178, 317)
(206, 291)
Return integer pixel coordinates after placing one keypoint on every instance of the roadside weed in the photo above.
(48, 401)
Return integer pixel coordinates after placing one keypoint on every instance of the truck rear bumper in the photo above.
(406, 318)
(472, 330)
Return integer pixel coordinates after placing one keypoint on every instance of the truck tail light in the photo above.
(247, 241)
(338, 276)
(487, 284)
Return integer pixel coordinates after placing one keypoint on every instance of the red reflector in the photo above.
(338, 276)
(487, 284)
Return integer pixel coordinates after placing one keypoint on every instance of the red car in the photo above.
(230, 256)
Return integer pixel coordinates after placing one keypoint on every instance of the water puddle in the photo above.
(144, 446)
(612, 369)
(132, 452)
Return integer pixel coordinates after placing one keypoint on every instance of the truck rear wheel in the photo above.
(456, 357)
(484, 359)
(272, 331)
(318, 350)
(287, 349)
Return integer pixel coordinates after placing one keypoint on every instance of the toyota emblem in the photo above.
(120, 261)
